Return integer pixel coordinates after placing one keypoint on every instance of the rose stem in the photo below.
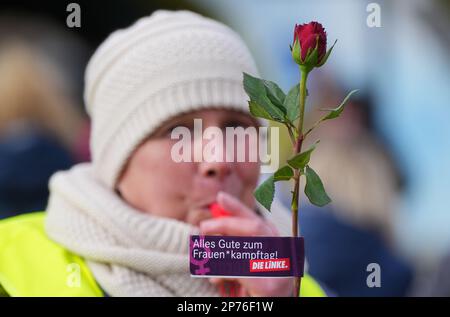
(297, 149)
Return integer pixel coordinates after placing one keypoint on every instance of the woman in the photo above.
(124, 220)
(38, 122)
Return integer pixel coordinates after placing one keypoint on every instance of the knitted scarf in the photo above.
(130, 253)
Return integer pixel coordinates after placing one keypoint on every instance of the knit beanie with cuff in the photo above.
(166, 64)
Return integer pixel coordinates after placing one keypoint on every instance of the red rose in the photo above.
(309, 47)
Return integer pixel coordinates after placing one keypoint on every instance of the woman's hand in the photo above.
(245, 222)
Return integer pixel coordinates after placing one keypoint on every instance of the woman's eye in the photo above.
(168, 132)
(237, 123)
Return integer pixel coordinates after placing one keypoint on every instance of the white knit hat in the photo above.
(163, 65)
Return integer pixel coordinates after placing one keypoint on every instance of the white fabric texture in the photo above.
(130, 253)
(163, 65)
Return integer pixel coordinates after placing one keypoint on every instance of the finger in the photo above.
(235, 226)
(227, 287)
(218, 280)
(215, 280)
(233, 205)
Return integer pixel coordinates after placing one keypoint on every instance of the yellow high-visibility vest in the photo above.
(33, 265)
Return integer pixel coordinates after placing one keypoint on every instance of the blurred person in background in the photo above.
(436, 283)
(123, 220)
(39, 127)
(363, 182)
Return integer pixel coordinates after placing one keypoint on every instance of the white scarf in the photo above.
(129, 252)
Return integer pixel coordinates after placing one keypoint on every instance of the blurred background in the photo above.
(384, 162)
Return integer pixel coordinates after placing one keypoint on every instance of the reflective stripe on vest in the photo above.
(33, 265)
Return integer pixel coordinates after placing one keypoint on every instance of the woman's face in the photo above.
(154, 183)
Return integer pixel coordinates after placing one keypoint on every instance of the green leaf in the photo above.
(256, 90)
(258, 111)
(265, 192)
(325, 58)
(291, 103)
(283, 174)
(314, 189)
(275, 94)
(301, 159)
(313, 56)
(296, 52)
(336, 112)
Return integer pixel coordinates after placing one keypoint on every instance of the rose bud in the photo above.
(217, 211)
(309, 48)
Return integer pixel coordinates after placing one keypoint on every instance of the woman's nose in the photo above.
(218, 170)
